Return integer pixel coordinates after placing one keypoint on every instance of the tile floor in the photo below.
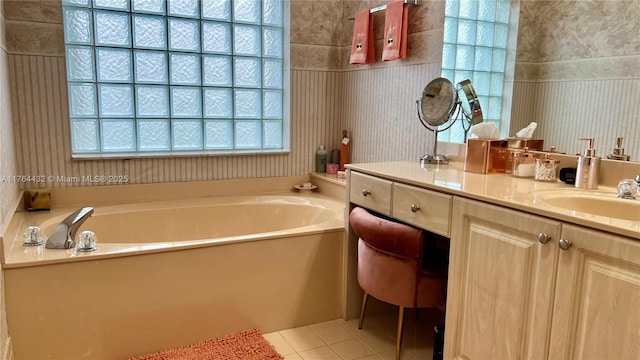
(341, 340)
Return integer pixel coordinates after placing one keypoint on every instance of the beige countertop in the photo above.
(498, 189)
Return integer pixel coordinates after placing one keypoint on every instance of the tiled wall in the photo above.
(578, 73)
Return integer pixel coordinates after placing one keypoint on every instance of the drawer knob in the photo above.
(544, 238)
(365, 192)
(565, 244)
(415, 208)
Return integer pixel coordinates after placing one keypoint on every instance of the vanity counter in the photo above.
(499, 189)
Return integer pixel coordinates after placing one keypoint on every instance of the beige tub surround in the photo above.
(198, 261)
(536, 269)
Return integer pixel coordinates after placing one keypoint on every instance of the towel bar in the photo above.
(384, 7)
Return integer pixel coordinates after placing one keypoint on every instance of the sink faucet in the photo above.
(65, 232)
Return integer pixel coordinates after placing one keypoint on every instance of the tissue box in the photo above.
(486, 156)
(521, 143)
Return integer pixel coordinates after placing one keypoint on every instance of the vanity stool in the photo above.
(391, 266)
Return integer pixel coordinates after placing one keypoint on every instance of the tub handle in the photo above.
(365, 192)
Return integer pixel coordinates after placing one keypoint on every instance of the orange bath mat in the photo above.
(246, 345)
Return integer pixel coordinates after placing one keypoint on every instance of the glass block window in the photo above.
(475, 42)
(172, 77)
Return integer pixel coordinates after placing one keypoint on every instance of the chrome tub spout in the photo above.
(65, 232)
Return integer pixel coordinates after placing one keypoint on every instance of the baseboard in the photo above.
(7, 352)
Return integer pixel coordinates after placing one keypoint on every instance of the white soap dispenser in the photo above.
(588, 168)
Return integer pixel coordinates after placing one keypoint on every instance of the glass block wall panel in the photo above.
(149, 6)
(154, 135)
(183, 8)
(272, 12)
(272, 100)
(247, 72)
(172, 75)
(272, 74)
(118, 135)
(272, 42)
(187, 134)
(114, 65)
(115, 100)
(475, 40)
(186, 102)
(272, 134)
(217, 70)
(151, 67)
(149, 32)
(86, 3)
(218, 103)
(77, 26)
(152, 101)
(112, 4)
(82, 100)
(184, 69)
(216, 9)
(246, 40)
(216, 37)
(247, 11)
(248, 134)
(112, 29)
(218, 134)
(247, 103)
(80, 63)
(184, 35)
(84, 135)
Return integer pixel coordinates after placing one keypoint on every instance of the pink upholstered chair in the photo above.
(391, 267)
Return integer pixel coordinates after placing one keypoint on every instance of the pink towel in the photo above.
(395, 31)
(362, 48)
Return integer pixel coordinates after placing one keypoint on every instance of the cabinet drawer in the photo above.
(370, 192)
(426, 209)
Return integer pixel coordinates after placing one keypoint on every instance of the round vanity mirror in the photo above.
(469, 102)
(437, 102)
(441, 102)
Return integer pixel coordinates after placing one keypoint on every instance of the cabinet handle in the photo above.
(544, 238)
(365, 192)
(565, 244)
(415, 208)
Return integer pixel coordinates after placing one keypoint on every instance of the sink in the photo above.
(599, 203)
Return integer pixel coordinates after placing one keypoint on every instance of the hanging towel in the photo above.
(395, 31)
(362, 48)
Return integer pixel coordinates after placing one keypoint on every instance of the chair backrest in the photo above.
(387, 236)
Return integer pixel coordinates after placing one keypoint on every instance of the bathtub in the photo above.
(170, 273)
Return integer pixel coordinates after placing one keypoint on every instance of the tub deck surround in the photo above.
(499, 189)
(127, 299)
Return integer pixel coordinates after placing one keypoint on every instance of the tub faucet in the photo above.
(65, 232)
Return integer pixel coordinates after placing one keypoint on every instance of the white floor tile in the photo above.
(352, 349)
(334, 334)
(321, 353)
(302, 339)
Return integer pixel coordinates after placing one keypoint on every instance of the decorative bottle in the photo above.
(321, 159)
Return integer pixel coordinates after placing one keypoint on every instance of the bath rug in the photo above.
(245, 345)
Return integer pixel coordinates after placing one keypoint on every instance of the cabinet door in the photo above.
(501, 282)
(597, 303)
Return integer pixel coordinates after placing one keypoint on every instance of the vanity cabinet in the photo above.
(596, 312)
(520, 285)
(527, 287)
(502, 269)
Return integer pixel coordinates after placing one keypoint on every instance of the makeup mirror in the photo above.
(441, 103)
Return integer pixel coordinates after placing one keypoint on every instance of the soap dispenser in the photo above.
(618, 151)
(588, 168)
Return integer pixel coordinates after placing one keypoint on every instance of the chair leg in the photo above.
(399, 335)
(364, 307)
